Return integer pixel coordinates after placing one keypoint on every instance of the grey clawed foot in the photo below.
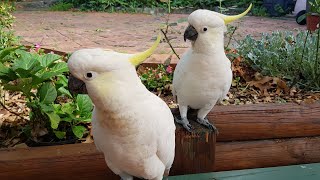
(205, 122)
(185, 123)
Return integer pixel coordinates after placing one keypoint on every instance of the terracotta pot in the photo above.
(312, 22)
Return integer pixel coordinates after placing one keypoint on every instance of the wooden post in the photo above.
(195, 152)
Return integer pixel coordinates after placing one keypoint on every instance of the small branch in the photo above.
(231, 36)
(12, 112)
(296, 78)
(165, 36)
(317, 54)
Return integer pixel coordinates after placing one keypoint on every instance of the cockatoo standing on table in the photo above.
(132, 127)
(203, 76)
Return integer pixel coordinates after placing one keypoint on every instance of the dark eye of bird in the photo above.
(89, 75)
(205, 29)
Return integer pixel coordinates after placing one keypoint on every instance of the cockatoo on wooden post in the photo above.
(203, 75)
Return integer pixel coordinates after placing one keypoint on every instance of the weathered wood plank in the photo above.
(264, 121)
(296, 172)
(266, 153)
(194, 154)
(82, 161)
(76, 161)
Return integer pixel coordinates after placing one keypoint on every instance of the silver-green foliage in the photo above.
(288, 55)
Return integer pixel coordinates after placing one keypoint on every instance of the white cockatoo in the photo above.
(203, 75)
(133, 127)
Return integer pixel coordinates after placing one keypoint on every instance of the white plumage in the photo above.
(203, 75)
(132, 127)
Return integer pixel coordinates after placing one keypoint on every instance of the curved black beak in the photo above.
(190, 33)
(76, 86)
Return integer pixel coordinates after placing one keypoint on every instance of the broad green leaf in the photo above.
(78, 131)
(57, 69)
(23, 73)
(67, 108)
(64, 91)
(62, 80)
(54, 120)
(47, 93)
(57, 108)
(84, 119)
(6, 52)
(36, 80)
(6, 74)
(68, 119)
(26, 61)
(4, 69)
(60, 67)
(23, 84)
(84, 104)
(46, 108)
(47, 59)
(60, 134)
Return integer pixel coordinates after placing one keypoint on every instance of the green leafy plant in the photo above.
(7, 38)
(158, 79)
(259, 11)
(133, 5)
(41, 79)
(279, 9)
(286, 55)
(61, 6)
(315, 6)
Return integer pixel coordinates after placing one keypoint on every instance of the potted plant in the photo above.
(313, 17)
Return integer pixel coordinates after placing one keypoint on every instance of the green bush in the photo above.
(61, 6)
(7, 37)
(132, 5)
(158, 79)
(41, 78)
(285, 55)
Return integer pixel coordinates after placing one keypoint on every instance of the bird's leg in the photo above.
(125, 176)
(203, 120)
(158, 178)
(184, 121)
(166, 174)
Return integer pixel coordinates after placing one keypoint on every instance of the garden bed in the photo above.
(251, 136)
(248, 87)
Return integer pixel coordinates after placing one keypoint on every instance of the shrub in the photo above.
(61, 6)
(41, 78)
(158, 79)
(285, 55)
(7, 37)
(132, 5)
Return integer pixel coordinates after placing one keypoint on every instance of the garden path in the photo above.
(69, 31)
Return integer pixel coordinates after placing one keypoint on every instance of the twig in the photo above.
(316, 63)
(296, 78)
(12, 112)
(231, 35)
(166, 30)
(165, 36)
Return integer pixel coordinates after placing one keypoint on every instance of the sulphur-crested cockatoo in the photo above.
(203, 75)
(133, 127)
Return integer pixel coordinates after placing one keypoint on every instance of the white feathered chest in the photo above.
(201, 79)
